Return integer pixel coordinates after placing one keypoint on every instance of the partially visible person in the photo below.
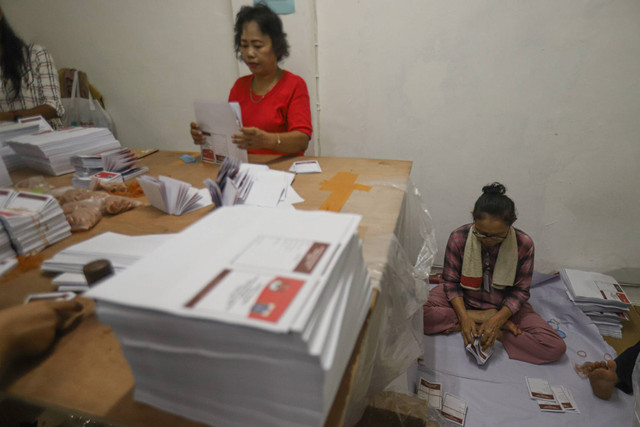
(275, 105)
(29, 79)
(30, 329)
(606, 376)
(488, 266)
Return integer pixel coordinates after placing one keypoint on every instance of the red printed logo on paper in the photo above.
(275, 298)
(622, 297)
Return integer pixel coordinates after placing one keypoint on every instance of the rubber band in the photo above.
(582, 353)
(608, 357)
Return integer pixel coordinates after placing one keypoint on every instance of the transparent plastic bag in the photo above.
(83, 215)
(114, 205)
(35, 184)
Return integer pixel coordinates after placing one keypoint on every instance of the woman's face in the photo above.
(493, 229)
(257, 51)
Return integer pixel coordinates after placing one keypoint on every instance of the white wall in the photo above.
(542, 96)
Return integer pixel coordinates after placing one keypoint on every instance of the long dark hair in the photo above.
(269, 23)
(495, 203)
(12, 59)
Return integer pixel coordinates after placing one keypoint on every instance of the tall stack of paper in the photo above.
(600, 297)
(51, 152)
(247, 317)
(32, 221)
(8, 131)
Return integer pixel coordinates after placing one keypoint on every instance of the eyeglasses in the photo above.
(486, 236)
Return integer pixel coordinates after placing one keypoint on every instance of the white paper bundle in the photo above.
(248, 317)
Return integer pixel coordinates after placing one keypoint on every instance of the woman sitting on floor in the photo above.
(485, 285)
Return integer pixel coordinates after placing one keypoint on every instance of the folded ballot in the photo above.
(247, 317)
(173, 196)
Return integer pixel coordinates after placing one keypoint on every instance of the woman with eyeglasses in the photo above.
(488, 266)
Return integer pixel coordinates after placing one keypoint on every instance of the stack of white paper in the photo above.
(121, 250)
(173, 196)
(255, 185)
(600, 297)
(32, 221)
(9, 130)
(247, 317)
(51, 152)
(218, 121)
(6, 250)
(89, 166)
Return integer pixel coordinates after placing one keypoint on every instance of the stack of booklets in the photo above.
(240, 183)
(32, 221)
(119, 162)
(247, 317)
(51, 152)
(600, 297)
(6, 251)
(121, 250)
(8, 131)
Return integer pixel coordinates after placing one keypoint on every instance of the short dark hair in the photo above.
(270, 25)
(495, 203)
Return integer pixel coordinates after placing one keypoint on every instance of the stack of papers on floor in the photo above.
(32, 221)
(600, 297)
(249, 184)
(247, 317)
(8, 131)
(121, 250)
(51, 152)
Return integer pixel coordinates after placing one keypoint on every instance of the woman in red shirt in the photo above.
(274, 102)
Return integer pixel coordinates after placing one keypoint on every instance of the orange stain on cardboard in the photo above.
(341, 186)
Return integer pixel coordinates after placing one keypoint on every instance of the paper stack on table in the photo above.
(249, 184)
(51, 152)
(247, 317)
(600, 297)
(121, 250)
(9, 130)
(32, 221)
(89, 166)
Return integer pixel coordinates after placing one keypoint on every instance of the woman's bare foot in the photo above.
(511, 327)
(603, 378)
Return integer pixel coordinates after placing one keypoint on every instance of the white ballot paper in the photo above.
(305, 166)
(565, 398)
(218, 121)
(431, 392)
(476, 350)
(173, 196)
(539, 389)
(454, 409)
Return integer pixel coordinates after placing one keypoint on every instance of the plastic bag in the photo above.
(85, 112)
(76, 194)
(113, 205)
(35, 184)
(83, 215)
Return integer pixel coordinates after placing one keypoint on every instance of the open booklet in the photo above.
(173, 196)
(218, 121)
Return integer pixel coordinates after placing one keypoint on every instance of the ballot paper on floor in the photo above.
(596, 294)
(32, 221)
(51, 152)
(247, 317)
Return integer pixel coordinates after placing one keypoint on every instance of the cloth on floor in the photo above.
(497, 392)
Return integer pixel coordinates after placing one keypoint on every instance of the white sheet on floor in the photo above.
(497, 392)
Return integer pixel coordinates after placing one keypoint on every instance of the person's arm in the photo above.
(255, 139)
(46, 111)
(30, 329)
(451, 274)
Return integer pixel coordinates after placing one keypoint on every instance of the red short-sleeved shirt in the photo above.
(284, 108)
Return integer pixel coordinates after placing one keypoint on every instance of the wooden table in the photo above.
(86, 372)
